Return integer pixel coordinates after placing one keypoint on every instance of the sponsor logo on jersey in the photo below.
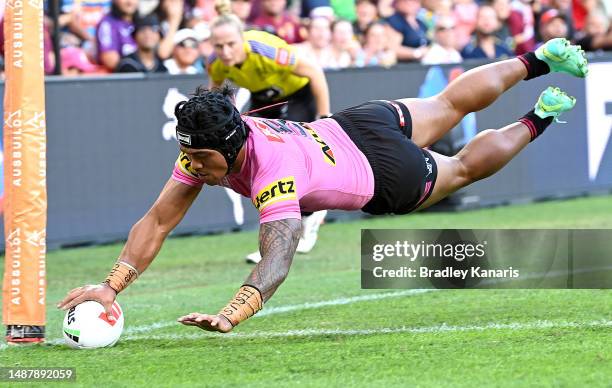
(184, 164)
(273, 129)
(282, 56)
(267, 132)
(328, 154)
(278, 191)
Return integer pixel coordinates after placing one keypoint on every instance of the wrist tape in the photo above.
(245, 304)
(121, 276)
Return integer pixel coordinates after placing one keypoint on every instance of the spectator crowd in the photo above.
(173, 36)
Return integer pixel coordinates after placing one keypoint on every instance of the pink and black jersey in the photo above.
(291, 167)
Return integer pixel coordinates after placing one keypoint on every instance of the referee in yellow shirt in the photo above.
(270, 69)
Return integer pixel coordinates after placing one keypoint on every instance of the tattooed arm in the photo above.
(277, 243)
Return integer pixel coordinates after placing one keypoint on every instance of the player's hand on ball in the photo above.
(207, 322)
(101, 293)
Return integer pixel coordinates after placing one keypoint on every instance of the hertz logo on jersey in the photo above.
(281, 190)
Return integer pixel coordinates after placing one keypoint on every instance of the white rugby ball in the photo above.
(87, 326)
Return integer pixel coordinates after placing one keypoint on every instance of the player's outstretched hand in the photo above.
(207, 322)
(101, 293)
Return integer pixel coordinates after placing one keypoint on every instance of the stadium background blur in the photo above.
(338, 33)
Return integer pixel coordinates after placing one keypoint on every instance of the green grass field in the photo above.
(321, 329)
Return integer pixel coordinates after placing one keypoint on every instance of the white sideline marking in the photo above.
(271, 311)
(295, 307)
(362, 298)
(130, 332)
(443, 328)
(341, 301)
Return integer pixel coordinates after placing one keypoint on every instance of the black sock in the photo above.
(535, 67)
(535, 123)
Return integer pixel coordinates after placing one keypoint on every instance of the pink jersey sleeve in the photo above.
(183, 172)
(275, 187)
(277, 200)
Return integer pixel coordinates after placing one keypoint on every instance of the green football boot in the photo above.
(561, 56)
(552, 102)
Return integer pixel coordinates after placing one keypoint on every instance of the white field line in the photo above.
(295, 307)
(443, 328)
(360, 298)
(270, 311)
(132, 332)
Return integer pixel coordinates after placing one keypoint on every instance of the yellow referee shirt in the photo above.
(267, 71)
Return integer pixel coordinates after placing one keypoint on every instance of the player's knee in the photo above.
(457, 174)
(449, 106)
(465, 173)
(445, 102)
(474, 164)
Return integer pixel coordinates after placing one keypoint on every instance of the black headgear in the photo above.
(210, 120)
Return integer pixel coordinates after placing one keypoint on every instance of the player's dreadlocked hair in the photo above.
(210, 120)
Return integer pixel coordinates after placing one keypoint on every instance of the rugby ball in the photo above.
(87, 326)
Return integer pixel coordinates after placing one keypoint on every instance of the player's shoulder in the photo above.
(268, 146)
(263, 37)
(271, 50)
(264, 43)
(260, 130)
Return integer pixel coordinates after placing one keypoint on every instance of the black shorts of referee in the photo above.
(301, 106)
(404, 174)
